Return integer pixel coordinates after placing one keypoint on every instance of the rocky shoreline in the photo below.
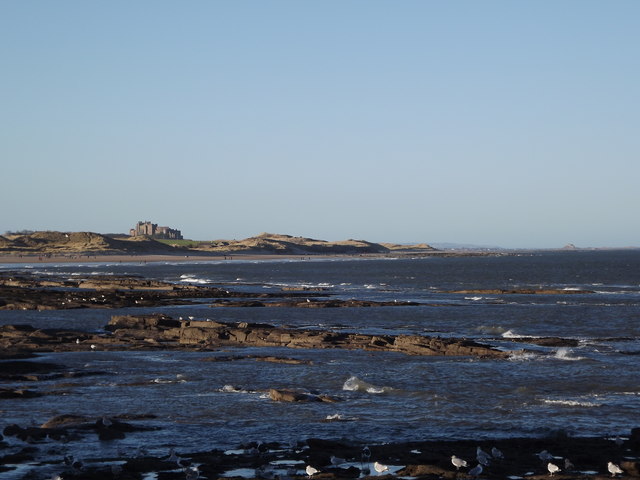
(157, 331)
(514, 458)
(33, 449)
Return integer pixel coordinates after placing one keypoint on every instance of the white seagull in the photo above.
(311, 471)
(553, 468)
(614, 469)
(458, 462)
(379, 467)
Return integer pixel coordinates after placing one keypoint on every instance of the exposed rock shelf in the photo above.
(143, 332)
(216, 334)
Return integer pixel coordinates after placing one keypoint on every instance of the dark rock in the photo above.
(12, 430)
(66, 421)
(18, 393)
(297, 396)
(425, 471)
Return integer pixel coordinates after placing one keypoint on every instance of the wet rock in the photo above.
(18, 393)
(299, 396)
(311, 303)
(12, 430)
(142, 322)
(631, 468)
(23, 456)
(156, 332)
(66, 421)
(426, 471)
(520, 291)
(548, 341)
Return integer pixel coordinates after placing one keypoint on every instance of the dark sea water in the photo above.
(592, 389)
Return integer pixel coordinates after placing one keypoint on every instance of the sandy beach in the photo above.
(44, 259)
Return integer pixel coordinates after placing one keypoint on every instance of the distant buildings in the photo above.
(154, 231)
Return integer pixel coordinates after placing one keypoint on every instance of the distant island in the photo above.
(47, 243)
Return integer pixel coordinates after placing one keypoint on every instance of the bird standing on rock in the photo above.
(476, 471)
(458, 462)
(379, 467)
(482, 457)
(553, 468)
(614, 469)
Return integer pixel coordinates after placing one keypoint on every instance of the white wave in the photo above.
(523, 356)
(354, 384)
(491, 330)
(166, 380)
(338, 417)
(190, 278)
(232, 389)
(475, 299)
(570, 403)
(564, 353)
(511, 334)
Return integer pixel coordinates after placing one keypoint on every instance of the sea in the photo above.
(592, 389)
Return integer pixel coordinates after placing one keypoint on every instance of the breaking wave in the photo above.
(190, 278)
(354, 384)
(570, 403)
(564, 353)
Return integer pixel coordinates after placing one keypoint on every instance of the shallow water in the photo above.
(593, 389)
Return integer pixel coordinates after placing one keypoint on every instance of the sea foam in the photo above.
(354, 384)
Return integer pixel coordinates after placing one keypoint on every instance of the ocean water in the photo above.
(591, 389)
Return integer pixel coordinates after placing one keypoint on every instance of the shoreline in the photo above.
(199, 257)
(152, 258)
(577, 458)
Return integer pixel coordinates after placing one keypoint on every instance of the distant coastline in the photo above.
(67, 247)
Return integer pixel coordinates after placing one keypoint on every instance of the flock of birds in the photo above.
(483, 459)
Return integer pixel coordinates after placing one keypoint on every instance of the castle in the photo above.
(154, 231)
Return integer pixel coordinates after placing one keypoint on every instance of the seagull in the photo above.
(379, 467)
(458, 462)
(553, 468)
(93, 347)
(544, 456)
(173, 457)
(77, 340)
(336, 460)
(482, 457)
(106, 422)
(614, 469)
(495, 453)
(192, 473)
(311, 471)
(366, 453)
(476, 471)
(568, 466)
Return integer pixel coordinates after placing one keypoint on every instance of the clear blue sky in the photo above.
(510, 123)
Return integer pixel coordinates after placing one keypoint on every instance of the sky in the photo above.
(502, 123)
